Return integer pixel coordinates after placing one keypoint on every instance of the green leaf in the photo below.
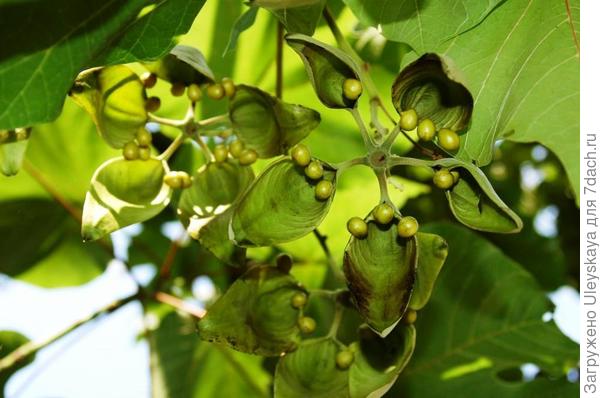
(379, 361)
(245, 21)
(255, 315)
(327, 68)
(40, 60)
(380, 271)
(153, 33)
(433, 250)
(10, 341)
(433, 87)
(280, 206)
(183, 64)
(115, 99)
(268, 125)
(311, 371)
(124, 192)
(299, 16)
(484, 317)
(11, 157)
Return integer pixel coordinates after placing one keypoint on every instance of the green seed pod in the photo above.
(408, 120)
(152, 104)
(247, 157)
(215, 91)
(383, 213)
(177, 89)
(426, 130)
(301, 155)
(235, 148)
(410, 317)
(220, 152)
(352, 89)
(306, 324)
(131, 151)
(186, 180)
(144, 153)
(443, 179)
(143, 137)
(407, 227)
(194, 92)
(173, 180)
(299, 300)
(314, 170)
(149, 79)
(448, 139)
(344, 359)
(228, 86)
(357, 227)
(323, 190)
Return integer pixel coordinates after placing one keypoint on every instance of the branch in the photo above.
(179, 304)
(31, 347)
(330, 260)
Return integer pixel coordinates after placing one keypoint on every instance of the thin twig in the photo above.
(279, 62)
(363, 129)
(175, 144)
(165, 268)
(337, 321)
(167, 122)
(330, 260)
(179, 304)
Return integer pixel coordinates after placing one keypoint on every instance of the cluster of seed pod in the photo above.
(427, 131)
(383, 214)
(236, 149)
(178, 179)
(445, 179)
(306, 324)
(313, 169)
(139, 147)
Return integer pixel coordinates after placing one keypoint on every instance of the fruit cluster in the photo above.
(313, 169)
(426, 130)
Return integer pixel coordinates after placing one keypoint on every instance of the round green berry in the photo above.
(306, 324)
(407, 227)
(220, 153)
(131, 151)
(455, 175)
(448, 139)
(149, 80)
(443, 179)
(383, 213)
(314, 170)
(215, 91)
(173, 179)
(323, 190)
(143, 137)
(235, 148)
(426, 130)
(177, 89)
(186, 180)
(301, 155)
(357, 227)
(152, 104)
(410, 316)
(228, 86)
(299, 300)
(194, 92)
(21, 134)
(247, 157)
(352, 89)
(144, 153)
(344, 359)
(408, 120)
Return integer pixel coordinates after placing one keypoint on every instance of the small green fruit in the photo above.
(455, 175)
(21, 134)
(215, 91)
(173, 179)
(410, 316)
(235, 148)
(131, 151)
(228, 86)
(426, 130)
(301, 155)
(408, 120)
(443, 179)
(177, 89)
(357, 227)
(307, 324)
(220, 153)
(314, 170)
(407, 227)
(352, 89)
(152, 104)
(194, 92)
(344, 359)
(186, 180)
(383, 213)
(299, 300)
(149, 80)
(143, 137)
(448, 139)
(144, 153)
(323, 190)
(247, 157)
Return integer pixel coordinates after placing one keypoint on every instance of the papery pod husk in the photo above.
(268, 125)
(255, 314)
(124, 192)
(380, 272)
(280, 206)
(311, 371)
(379, 361)
(183, 64)
(115, 98)
(11, 157)
(327, 68)
(433, 87)
(433, 250)
(205, 208)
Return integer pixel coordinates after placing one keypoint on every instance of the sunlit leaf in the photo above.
(433, 251)
(10, 341)
(183, 64)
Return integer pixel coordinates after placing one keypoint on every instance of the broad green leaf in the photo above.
(266, 124)
(124, 192)
(433, 87)
(380, 271)
(115, 99)
(379, 361)
(153, 33)
(244, 22)
(10, 341)
(433, 250)
(11, 157)
(280, 206)
(327, 68)
(183, 64)
(311, 371)
(524, 75)
(255, 315)
(214, 236)
(297, 16)
(40, 59)
(484, 317)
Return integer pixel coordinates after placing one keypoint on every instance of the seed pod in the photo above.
(228, 86)
(443, 179)
(152, 104)
(301, 155)
(220, 152)
(143, 137)
(314, 170)
(357, 227)
(352, 89)
(426, 130)
(299, 300)
(215, 91)
(407, 227)
(149, 79)
(194, 92)
(144, 153)
(344, 359)
(247, 157)
(177, 89)
(235, 148)
(307, 325)
(383, 213)
(131, 151)
(408, 120)
(448, 139)
(323, 190)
